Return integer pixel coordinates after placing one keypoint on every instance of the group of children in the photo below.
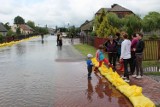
(100, 58)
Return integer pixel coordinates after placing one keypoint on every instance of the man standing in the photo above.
(126, 56)
(58, 35)
(139, 55)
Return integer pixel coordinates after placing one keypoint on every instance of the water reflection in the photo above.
(59, 48)
(20, 49)
(42, 41)
(104, 90)
(89, 91)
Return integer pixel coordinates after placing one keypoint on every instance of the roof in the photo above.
(87, 26)
(118, 8)
(2, 28)
(114, 8)
(25, 27)
(105, 9)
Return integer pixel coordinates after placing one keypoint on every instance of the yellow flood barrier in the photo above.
(132, 92)
(16, 42)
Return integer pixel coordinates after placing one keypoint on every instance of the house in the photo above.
(3, 30)
(87, 26)
(117, 9)
(25, 29)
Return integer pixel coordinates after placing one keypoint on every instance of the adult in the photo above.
(139, 55)
(60, 39)
(119, 42)
(111, 48)
(42, 36)
(58, 35)
(126, 56)
(133, 56)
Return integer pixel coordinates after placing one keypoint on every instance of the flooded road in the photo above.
(36, 74)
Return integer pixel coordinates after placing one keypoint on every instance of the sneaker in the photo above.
(123, 77)
(138, 76)
(134, 75)
(126, 80)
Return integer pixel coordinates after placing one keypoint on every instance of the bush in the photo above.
(154, 37)
(1, 38)
(10, 33)
(93, 33)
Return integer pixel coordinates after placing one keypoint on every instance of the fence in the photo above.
(15, 38)
(151, 51)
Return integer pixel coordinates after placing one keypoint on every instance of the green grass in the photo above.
(152, 73)
(150, 64)
(86, 49)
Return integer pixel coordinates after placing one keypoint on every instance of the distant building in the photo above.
(51, 31)
(121, 12)
(3, 30)
(117, 9)
(25, 29)
(87, 26)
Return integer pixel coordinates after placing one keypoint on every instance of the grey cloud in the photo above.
(62, 12)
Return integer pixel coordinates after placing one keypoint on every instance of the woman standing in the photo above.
(111, 46)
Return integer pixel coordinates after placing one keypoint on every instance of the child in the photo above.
(89, 65)
(100, 56)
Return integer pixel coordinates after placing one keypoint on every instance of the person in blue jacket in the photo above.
(89, 65)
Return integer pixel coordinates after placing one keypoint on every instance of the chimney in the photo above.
(113, 5)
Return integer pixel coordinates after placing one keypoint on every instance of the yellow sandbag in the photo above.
(103, 70)
(118, 82)
(141, 101)
(130, 90)
(109, 77)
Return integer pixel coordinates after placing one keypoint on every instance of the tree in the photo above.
(10, 33)
(19, 20)
(151, 22)
(6, 25)
(98, 20)
(133, 23)
(1, 38)
(105, 29)
(18, 31)
(31, 24)
(72, 31)
(114, 20)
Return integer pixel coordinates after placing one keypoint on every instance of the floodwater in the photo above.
(37, 73)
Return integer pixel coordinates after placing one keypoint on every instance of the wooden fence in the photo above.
(151, 51)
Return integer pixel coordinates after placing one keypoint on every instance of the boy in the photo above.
(89, 65)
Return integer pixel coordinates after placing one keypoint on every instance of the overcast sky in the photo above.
(62, 12)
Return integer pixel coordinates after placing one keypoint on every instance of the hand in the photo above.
(120, 60)
(134, 49)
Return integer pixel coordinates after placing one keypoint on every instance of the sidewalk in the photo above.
(151, 88)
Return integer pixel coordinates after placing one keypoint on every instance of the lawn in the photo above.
(86, 49)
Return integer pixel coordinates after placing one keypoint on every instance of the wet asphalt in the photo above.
(41, 74)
